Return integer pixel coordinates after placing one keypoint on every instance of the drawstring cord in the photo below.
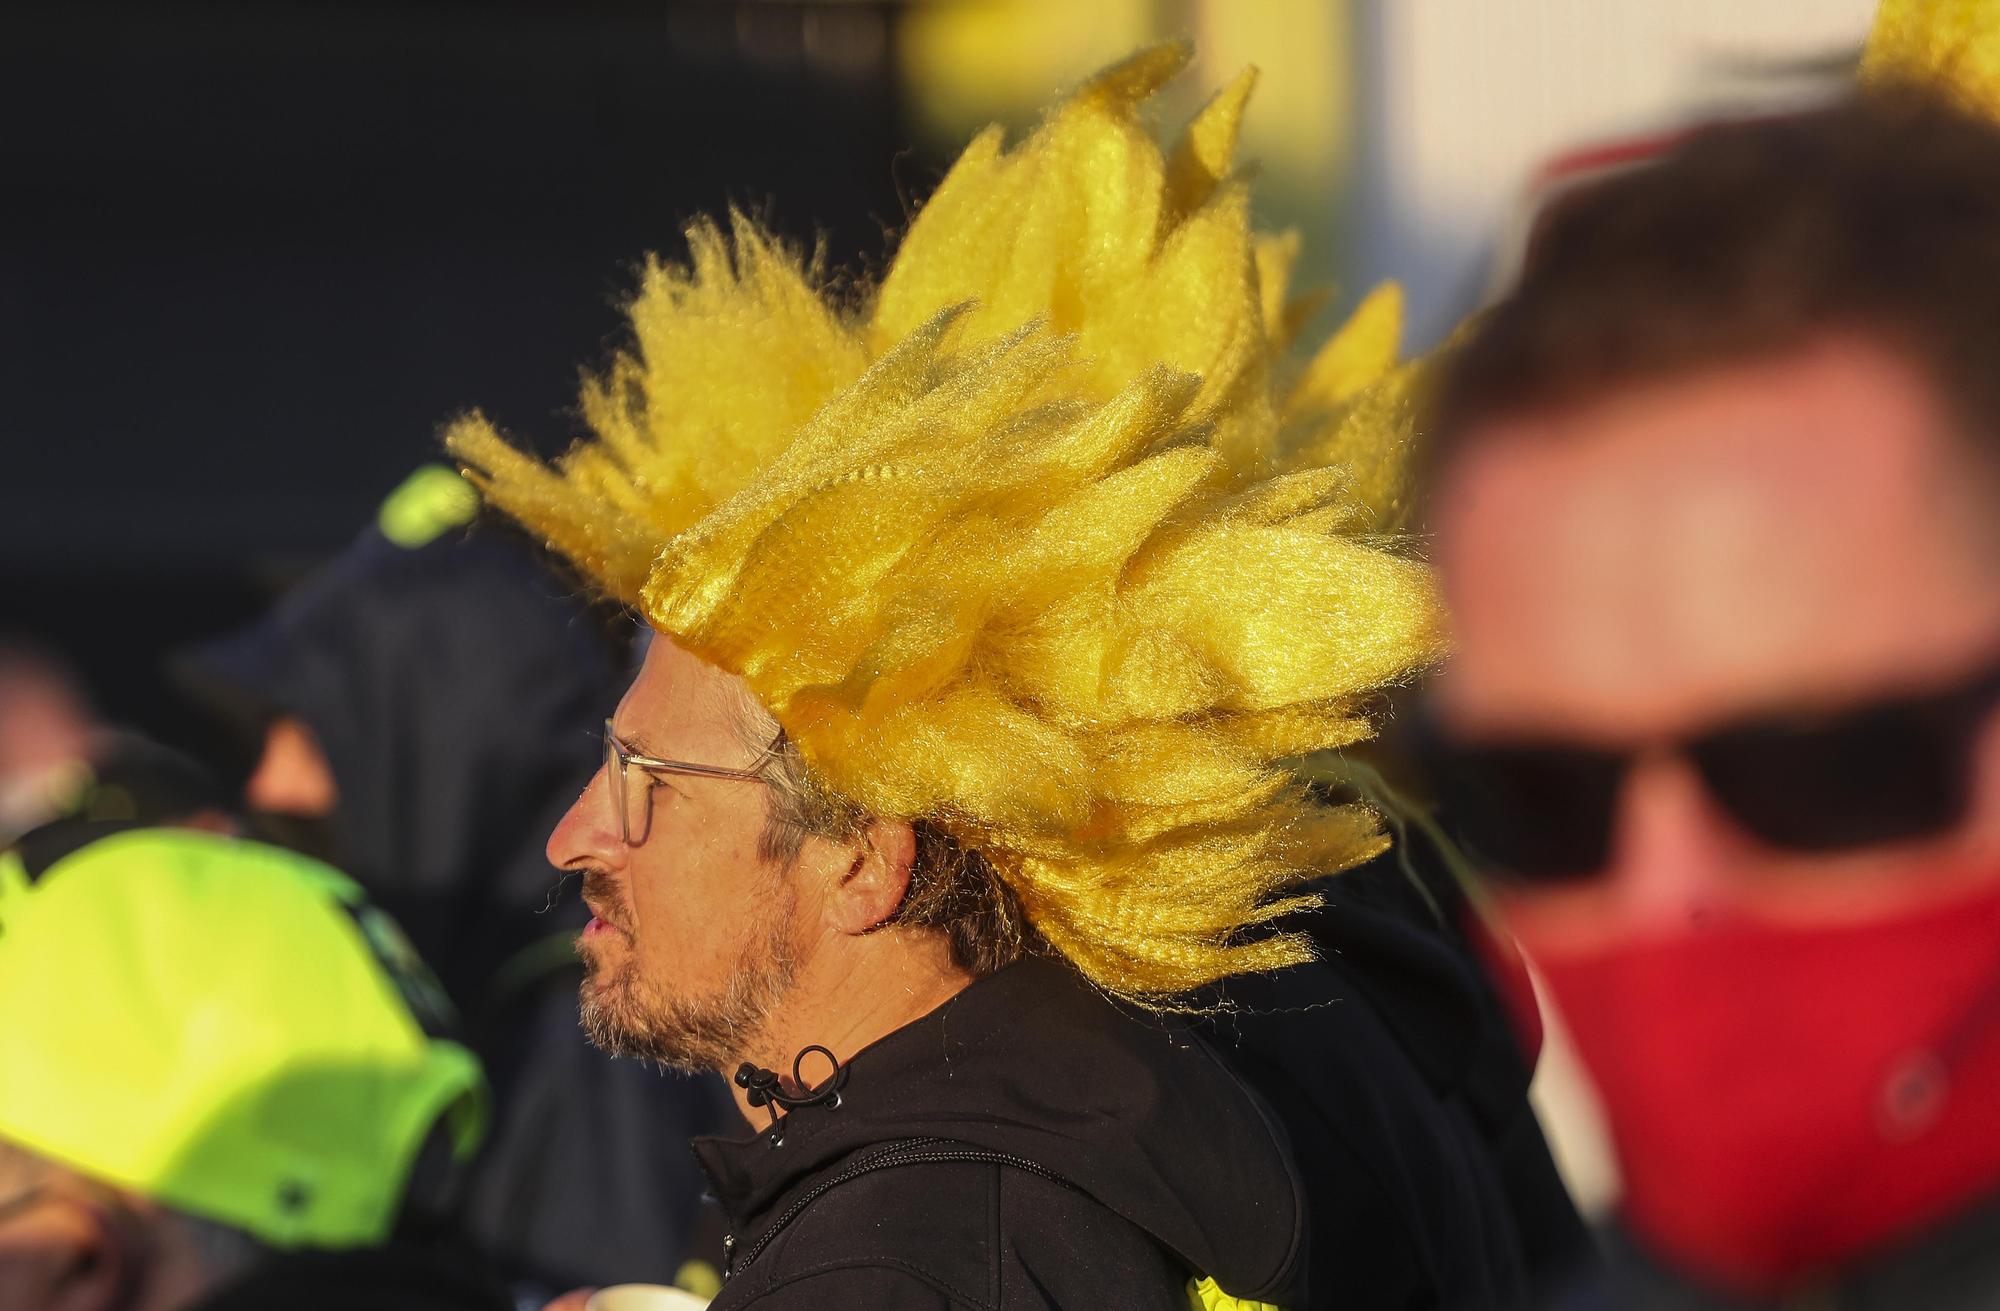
(764, 1088)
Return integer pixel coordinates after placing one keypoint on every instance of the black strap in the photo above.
(41, 847)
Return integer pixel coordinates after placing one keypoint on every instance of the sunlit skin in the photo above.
(44, 722)
(1797, 531)
(686, 904)
(77, 1246)
(292, 776)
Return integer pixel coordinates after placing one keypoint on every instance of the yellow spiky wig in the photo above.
(1038, 540)
(1951, 47)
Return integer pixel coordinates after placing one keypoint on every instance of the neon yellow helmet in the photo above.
(226, 1028)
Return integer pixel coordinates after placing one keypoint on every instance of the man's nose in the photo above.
(588, 831)
(1674, 854)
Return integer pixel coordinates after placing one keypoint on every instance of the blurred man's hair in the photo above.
(1878, 216)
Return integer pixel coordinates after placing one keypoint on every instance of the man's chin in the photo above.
(603, 953)
(600, 987)
(617, 1026)
(606, 1011)
(627, 1014)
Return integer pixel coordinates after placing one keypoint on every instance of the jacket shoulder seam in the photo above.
(1280, 1143)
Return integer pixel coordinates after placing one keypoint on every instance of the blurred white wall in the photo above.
(1462, 100)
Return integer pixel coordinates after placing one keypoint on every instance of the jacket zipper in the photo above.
(916, 1151)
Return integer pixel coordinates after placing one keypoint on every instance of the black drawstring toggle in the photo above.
(764, 1088)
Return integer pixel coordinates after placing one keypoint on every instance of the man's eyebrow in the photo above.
(637, 745)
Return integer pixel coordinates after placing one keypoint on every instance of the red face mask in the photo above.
(1786, 1099)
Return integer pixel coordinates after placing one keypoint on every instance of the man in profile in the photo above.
(988, 607)
(1717, 504)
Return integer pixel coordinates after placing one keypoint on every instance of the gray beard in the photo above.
(626, 1017)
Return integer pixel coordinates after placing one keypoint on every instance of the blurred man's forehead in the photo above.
(1675, 550)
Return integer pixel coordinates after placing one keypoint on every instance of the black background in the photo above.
(253, 256)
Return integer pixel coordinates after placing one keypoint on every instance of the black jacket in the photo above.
(1355, 1133)
(1395, 1071)
(1059, 1152)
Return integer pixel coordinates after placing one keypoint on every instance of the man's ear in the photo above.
(877, 877)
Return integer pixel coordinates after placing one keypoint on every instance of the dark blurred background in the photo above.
(252, 255)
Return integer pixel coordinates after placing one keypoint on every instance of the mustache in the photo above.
(606, 901)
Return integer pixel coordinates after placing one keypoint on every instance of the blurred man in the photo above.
(417, 710)
(221, 1086)
(60, 765)
(987, 613)
(46, 725)
(367, 696)
(1717, 504)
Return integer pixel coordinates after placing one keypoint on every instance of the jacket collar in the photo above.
(1032, 1062)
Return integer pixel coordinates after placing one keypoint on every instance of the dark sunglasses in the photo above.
(1892, 770)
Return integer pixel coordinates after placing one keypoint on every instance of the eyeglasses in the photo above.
(1890, 770)
(632, 792)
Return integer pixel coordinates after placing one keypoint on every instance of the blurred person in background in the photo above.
(60, 765)
(226, 1082)
(416, 712)
(365, 700)
(988, 608)
(1716, 497)
(46, 724)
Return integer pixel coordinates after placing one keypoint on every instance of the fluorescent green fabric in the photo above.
(1206, 1295)
(427, 504)
(228, 1029)
(13, 883)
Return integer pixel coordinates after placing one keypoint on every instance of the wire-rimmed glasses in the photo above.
(621, 764)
